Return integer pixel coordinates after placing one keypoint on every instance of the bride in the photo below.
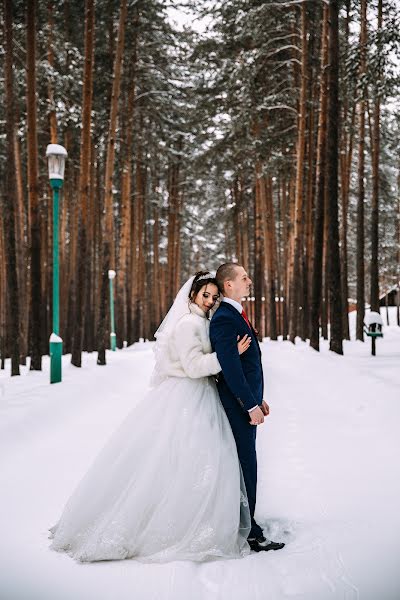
(169, 488)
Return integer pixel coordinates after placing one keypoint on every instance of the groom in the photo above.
(241, 383)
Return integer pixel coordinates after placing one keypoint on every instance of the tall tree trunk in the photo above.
(22, 231)
(123, 279)
(97, 245)
(73, 229)
(178, 252)
(135, 236)
(82, 267)
(140, 256)
(361, 188)
(124, 243)
(325, 308)
(10, 203)
(236, 219)
(285, 268)
(280, 276)
(345, 192)
(335, 300)
(108, 258)
(172, 210)
(316, 288)
(297, 247)
(173, 223)
(290, 246)
(270, 242)
(375, 146)
(33, 190)
(259, 256)
(346, 154)
(157, 290)
(50, 58)
(90, 325)
(148, 271)
(309, 208)
(21, 240)
(397, 274)
(244, 228)
(3, 295)
(46, 261)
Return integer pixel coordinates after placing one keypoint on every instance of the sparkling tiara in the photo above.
(207, 276)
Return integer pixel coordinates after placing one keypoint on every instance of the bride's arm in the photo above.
(189, 346)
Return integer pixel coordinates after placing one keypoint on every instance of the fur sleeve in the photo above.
(194, 361)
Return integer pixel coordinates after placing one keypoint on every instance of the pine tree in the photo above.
(10, 204)
(375, 148)
(83, 250)
(361, 183)
(108, 256)
(36, 321)
(336, 323)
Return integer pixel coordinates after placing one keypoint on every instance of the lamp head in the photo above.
(56, 156)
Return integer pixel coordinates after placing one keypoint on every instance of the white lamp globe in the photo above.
(56, 156)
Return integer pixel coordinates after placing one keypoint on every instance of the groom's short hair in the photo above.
(225, 272)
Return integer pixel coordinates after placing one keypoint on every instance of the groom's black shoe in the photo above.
(260, 544)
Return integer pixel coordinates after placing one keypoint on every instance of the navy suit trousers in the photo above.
(240, 387)
(245, 438)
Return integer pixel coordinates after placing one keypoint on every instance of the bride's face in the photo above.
(206, 297)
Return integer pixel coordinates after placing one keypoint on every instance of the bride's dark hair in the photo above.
(200, 279)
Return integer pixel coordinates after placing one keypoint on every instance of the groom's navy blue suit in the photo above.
(241, 387)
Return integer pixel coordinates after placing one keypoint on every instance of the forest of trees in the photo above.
(270, 138)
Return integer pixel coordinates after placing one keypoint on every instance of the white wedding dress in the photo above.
(166, 486)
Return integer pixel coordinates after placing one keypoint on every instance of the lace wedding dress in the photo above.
(166, 486)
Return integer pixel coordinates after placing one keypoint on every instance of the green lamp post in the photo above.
(113, 337)
(56, 156)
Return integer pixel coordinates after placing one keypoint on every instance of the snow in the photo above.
(372, 318)
(56, 149)
(184, 17)
(55, 338)
(329, 481)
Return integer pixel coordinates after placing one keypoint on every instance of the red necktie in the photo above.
(246, 318)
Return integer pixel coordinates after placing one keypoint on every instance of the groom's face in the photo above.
(239, 287)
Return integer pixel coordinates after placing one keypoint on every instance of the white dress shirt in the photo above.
(239, 308)
(234, 303)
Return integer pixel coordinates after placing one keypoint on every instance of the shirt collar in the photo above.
(234, 303)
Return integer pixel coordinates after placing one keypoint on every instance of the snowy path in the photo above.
(329, 480)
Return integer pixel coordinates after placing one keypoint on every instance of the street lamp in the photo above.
(56, 156)
(113, 337)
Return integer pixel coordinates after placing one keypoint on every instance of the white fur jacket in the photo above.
(190, 349)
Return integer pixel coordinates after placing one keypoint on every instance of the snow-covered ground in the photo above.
(329, 479)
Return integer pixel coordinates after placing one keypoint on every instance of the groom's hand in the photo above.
(256, 416)
(265, 408)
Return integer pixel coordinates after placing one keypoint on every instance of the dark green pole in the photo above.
(113, 337)
(55, 340)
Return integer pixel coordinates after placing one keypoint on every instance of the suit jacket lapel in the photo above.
(232, 309)
(238, 315)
